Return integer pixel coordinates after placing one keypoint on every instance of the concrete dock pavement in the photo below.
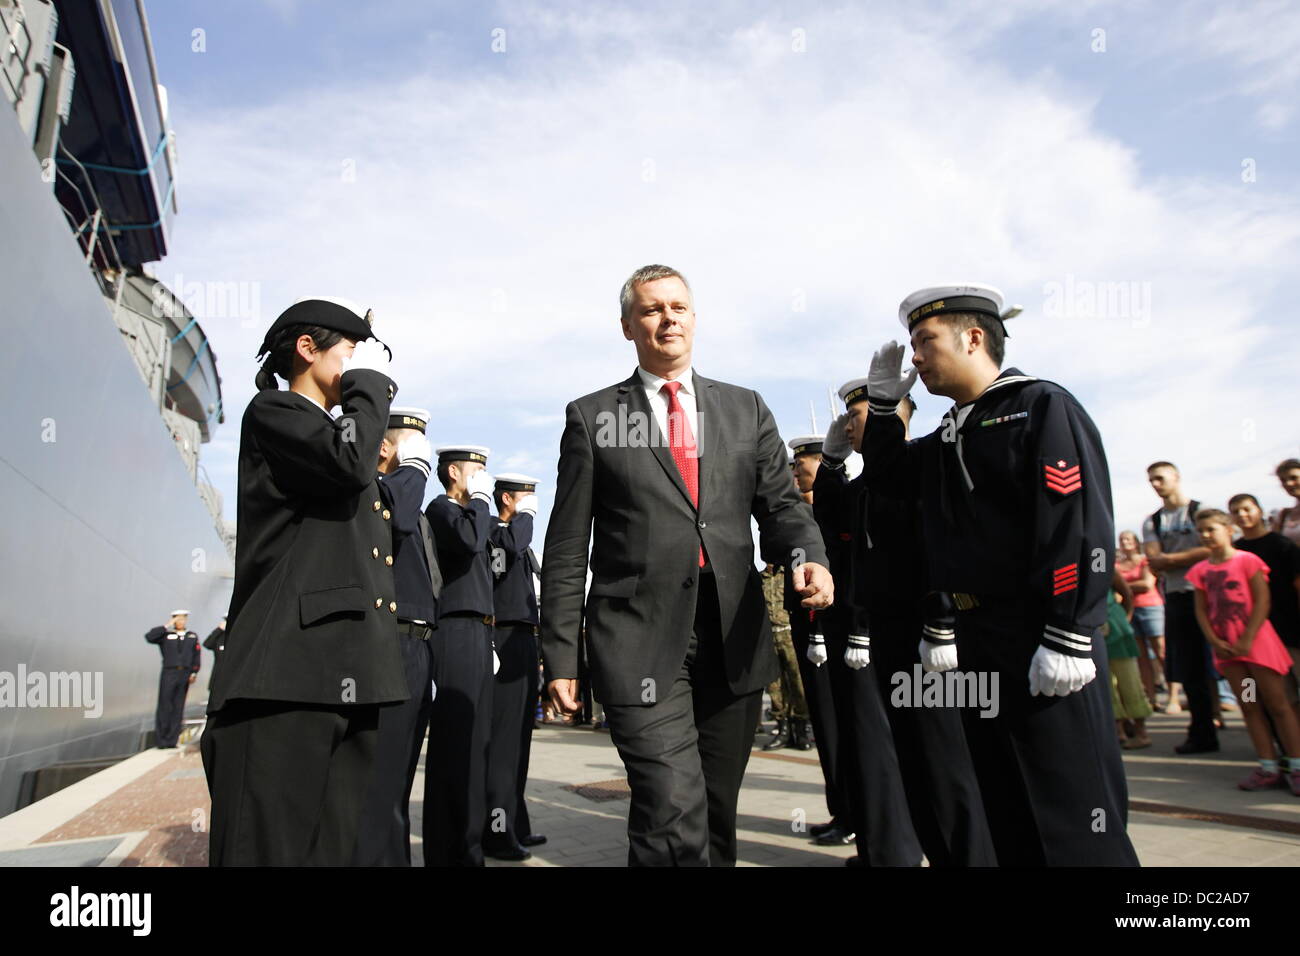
(151, 809)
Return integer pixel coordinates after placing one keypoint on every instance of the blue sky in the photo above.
(806, 166)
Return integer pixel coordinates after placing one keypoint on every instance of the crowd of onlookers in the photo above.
(1207, 602)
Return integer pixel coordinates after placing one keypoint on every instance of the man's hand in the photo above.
(886, 381)
(938, 657)
(858, 654)
(527, 505)
(193, 678)
(414, 445)
(564, 695)
(816, 652)
(814, 584)
(480, 485)
(835, 445)
(1158, 562)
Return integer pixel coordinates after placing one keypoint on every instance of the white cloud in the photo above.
(494, 214)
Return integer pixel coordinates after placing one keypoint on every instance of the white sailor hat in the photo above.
(447, 453)
(512, 481)
(806, 445)
(179, 613)
(406, 417)
(854, 390)
(961, 297)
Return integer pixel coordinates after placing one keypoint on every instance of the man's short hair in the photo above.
(647, 274)
(995, 336)
(1291, 464)
(444, 475)
(498, 496)
(1244, 496)
(1162, 464)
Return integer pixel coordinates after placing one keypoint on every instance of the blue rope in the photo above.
(193, 363)
(181, 334)
(124, 170)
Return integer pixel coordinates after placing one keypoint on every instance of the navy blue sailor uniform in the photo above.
(890, 587)
(514, 694)
(385, 837)
(455, 774)
(867, 763)
(180, 662)
(1016, 514)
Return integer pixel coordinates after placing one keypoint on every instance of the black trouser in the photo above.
(514, 694)
(821, 711)
(288, 781)
(943, 794)
(524, 826)
(173, 683)
(1192, 665)
(455, 764)
(871, 782)
(385, 837)
(1049, 768)
(685, 754)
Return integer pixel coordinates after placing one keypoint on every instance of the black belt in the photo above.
(500, 623)
(419, 631)
(176, 667)
(487, 619)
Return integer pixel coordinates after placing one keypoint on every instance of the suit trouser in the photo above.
(385, 837)
(173, 683)
(1192, 664)
(686, 753)
(513, 692)
(871, 782)
(1049, 768)
(288, 781)
(943, 795)
(455, 764)
(821, 711)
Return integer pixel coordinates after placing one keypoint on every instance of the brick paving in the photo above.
(1186, 811)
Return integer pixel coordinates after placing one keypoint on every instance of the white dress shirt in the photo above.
(659, 400)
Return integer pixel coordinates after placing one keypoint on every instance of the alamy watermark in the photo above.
(77, 689)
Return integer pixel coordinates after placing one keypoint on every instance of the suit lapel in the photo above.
(709, 417)
(632, 393)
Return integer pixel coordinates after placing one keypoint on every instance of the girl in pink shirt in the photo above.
(1232, 608)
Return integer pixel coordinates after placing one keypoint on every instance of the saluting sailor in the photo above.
(311, 652)
(455, 767)
(1016, 512)
(404, 469)
(180, 666)
(507, 833)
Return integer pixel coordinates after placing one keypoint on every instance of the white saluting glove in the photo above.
(938, 657)
(414, 446)
(816, 652)
(527, 505)
(858, 654)
(1054, 674)
(835, 445)
(368, 354)
(480, 485)
(886, 381)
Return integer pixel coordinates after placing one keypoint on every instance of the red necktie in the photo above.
(681, 440)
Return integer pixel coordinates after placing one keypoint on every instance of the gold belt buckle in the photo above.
(964, 601)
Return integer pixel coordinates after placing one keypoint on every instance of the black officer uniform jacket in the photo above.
(1015, 501)
(403, 492)
(840, 523)
(179, 649)
(889, 567)
(461, 536)
(508, 548)
(313, 611)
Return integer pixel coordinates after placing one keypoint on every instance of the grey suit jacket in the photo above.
(620, 491)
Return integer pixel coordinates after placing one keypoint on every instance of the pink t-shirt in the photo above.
(1135, 572)
(1228, 604)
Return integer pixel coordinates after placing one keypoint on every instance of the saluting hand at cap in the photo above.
(369, 354)
(886, 380)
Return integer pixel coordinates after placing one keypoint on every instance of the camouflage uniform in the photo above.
(786, 691)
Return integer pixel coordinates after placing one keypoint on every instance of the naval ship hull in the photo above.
(103, 531)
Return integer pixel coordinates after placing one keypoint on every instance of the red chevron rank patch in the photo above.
(1062, 480)
(1065, 579)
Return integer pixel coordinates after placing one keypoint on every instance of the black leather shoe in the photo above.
(533, 839)
(1190, 746)
(780, 737)
(854, 861)
(514, 854)
(817, 829)
(800, 734)
(836, 836)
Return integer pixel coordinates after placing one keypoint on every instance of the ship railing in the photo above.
(91, 229)
(13, 22)
(185, 432)
(212, 498)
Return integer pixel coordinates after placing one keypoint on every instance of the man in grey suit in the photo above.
(668, 468)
